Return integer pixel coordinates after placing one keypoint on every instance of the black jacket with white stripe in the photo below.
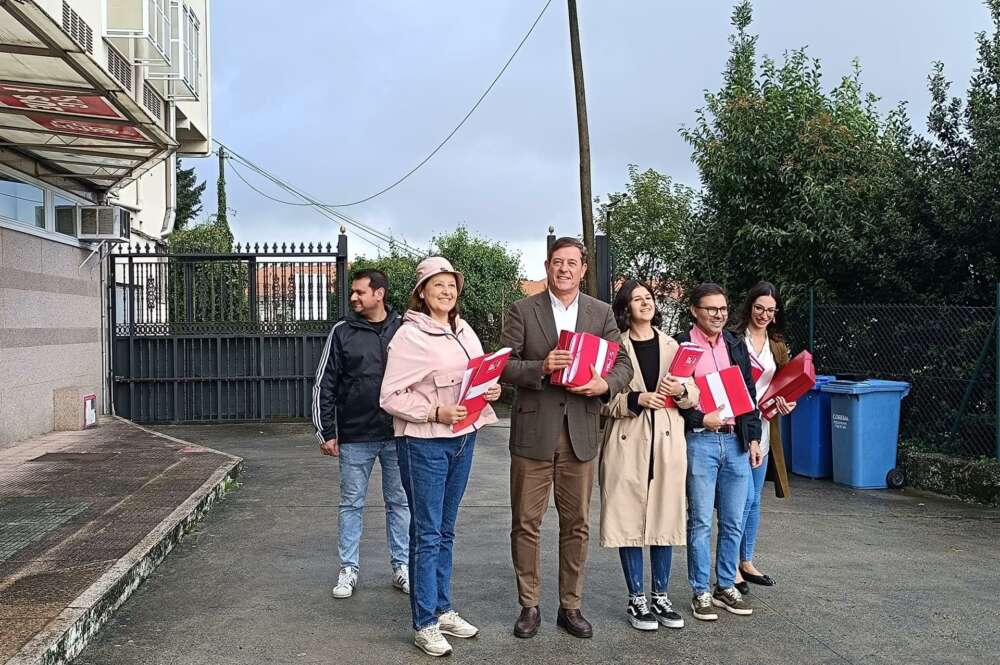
(348, 380)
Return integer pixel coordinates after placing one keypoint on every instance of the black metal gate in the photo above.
(221, 337)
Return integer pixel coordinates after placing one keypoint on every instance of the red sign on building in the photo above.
(92, 128)
(35, 98)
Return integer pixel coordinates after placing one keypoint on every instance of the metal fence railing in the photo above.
(946, 353)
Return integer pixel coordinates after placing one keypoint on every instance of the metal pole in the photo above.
(343, 288)
(996, 379)
(812, 319)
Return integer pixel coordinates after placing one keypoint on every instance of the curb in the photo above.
(69, 633)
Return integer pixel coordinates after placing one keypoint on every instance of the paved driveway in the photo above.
(864, 577)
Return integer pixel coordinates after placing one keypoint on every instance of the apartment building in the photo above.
(97, 100)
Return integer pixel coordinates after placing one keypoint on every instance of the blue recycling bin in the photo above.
(864, 417)
(811, 452)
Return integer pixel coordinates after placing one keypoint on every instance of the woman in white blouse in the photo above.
(761, 322)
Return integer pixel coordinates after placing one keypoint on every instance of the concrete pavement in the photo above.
(84, 517)
(863, 577)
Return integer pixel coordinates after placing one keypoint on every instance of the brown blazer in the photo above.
(539, 408)
(776, 467)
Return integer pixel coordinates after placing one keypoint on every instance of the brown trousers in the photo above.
(530, 481)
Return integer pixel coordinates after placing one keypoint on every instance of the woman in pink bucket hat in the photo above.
(423, 377)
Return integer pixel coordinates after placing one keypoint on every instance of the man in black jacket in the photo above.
(720, 451)
(351, 426)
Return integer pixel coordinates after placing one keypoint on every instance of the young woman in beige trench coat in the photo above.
(644, 460)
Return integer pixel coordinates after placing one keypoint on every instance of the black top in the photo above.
(349, 380)
(648, 354)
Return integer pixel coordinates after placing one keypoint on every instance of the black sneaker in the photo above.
(731, 600)
(639, 615)
(664, 611)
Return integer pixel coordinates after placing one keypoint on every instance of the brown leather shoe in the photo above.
(572, 622)
(527, 624)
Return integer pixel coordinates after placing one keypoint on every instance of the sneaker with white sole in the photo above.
(431, 641)
(664, 611)
(401, 578)
(346, 581)
(731, 600)
(450, 623)
(639, 615)
(701, 605)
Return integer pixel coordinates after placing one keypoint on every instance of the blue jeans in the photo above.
(435, 473)
(659, 560)
(717, 478)
(751, 512)
(356, 463)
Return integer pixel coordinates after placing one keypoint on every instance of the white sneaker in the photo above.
(451, 624)
(401, 578)
(431, 641)
(346, 581)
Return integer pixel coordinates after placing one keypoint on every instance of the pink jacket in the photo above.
(424, 370)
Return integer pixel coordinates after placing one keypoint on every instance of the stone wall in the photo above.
(50, 329)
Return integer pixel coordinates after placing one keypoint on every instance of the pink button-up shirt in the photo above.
(715, 358)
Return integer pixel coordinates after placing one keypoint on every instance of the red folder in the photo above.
(682, 366)
(724, 387)
(685, 360)
(588, 350)
(791, 382)
(481, 374)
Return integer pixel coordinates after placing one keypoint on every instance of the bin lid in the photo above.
(866, 386)
(823, 379)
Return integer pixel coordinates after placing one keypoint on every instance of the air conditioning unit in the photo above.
(105, 223)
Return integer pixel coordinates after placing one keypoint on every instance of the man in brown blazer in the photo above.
(555, 432)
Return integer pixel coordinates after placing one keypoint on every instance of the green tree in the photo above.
(216, 290)
(797, 181)
(960, 163)
(647, 225)
(188, 196)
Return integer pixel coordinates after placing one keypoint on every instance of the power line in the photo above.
(458, 126)
(311, 202)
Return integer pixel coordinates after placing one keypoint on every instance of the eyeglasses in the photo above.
(760, 309)
(714, 311)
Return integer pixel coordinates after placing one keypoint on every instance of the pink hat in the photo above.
(435, 265)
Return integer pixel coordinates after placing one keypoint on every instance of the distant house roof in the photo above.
(532, 286)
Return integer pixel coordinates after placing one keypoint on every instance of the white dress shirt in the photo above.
(565, 316)
(770, 366)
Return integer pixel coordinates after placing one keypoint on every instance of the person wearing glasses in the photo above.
(720, 454)
(761, 325)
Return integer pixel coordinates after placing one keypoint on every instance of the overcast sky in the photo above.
(342, 97)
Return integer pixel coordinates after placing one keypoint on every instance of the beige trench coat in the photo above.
(635, 510)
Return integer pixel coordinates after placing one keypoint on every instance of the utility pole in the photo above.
(220, 215)
(586, 204)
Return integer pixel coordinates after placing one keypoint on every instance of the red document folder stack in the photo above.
(791, 382)
(482, 374)
(725, 387)
(588, 351)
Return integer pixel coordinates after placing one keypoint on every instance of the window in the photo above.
(192, 32)
(66, 214)
(21, 202)
(159, 26)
